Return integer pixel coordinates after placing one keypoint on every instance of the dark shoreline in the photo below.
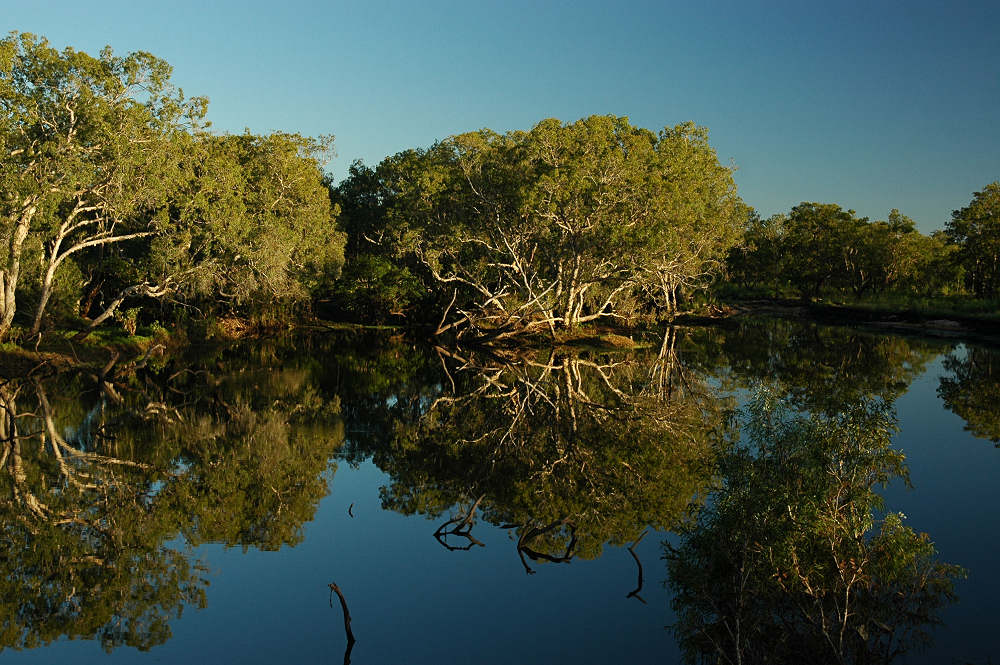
(900, 321)
(22, 360)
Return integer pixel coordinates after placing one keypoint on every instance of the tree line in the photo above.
(118, 201)
(821, 248)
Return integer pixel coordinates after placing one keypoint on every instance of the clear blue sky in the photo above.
(872, 105)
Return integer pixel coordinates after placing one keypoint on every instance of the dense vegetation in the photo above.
(821, 249)
(113, 192)
(540, 230)
(119, 202)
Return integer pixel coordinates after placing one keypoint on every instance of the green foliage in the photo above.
(820, 248)
(552, 227)
(789, 562)
(973, 390)
(255, 225)
(975, 230)
(112, 190)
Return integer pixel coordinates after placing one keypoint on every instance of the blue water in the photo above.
(413, 601)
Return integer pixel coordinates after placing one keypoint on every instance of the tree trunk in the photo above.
(36, 327)
(12, 272)
(137, 289)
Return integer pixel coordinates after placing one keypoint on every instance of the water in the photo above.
(270, 471)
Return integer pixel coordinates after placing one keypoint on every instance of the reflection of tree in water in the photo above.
(96, 483)
(973, 390)
(788, 563)
(820, 367)
(569, 450)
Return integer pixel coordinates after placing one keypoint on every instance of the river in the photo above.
(732, 490)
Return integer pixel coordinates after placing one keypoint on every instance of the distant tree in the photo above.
(380, 279)
(975, 229)
(821, 246)
(758, 260)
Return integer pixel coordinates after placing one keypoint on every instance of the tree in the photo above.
(819, 246)
(85, 156)
(975, 229)
(106, 166)
(563, 224)
(380, 280)
(254, 225)
(758, 260)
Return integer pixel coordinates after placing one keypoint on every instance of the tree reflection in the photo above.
(973, 390)
(821, 368)
(789, 562)
(106, 483)
(569, 450)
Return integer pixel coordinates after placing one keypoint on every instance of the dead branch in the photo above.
(334, 589)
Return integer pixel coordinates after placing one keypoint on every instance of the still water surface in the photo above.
(494, 509)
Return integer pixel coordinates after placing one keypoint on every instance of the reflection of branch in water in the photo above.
(631, 550)
(462, 528)
(334, 589)
(535, 532)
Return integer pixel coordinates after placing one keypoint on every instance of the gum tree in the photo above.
(975, 229)
(566, 223)
(84, 155)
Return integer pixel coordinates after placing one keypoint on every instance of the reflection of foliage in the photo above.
(821, 367)
(254, 454)
(82, 544)
(580, 449)
(973, 391)
(789, 564)
(91, 497)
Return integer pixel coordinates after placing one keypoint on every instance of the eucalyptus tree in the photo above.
(758, 261)
(85, 158)
(975, 229)
(563, 224)
(379, 281)
(253, 225)
(820, 241)
(109, 175)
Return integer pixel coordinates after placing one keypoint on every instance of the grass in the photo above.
(57, 348)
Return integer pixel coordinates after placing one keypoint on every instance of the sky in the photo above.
(870, 105)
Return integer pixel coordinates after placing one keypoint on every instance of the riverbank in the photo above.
(934, 321)
(57, 350)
